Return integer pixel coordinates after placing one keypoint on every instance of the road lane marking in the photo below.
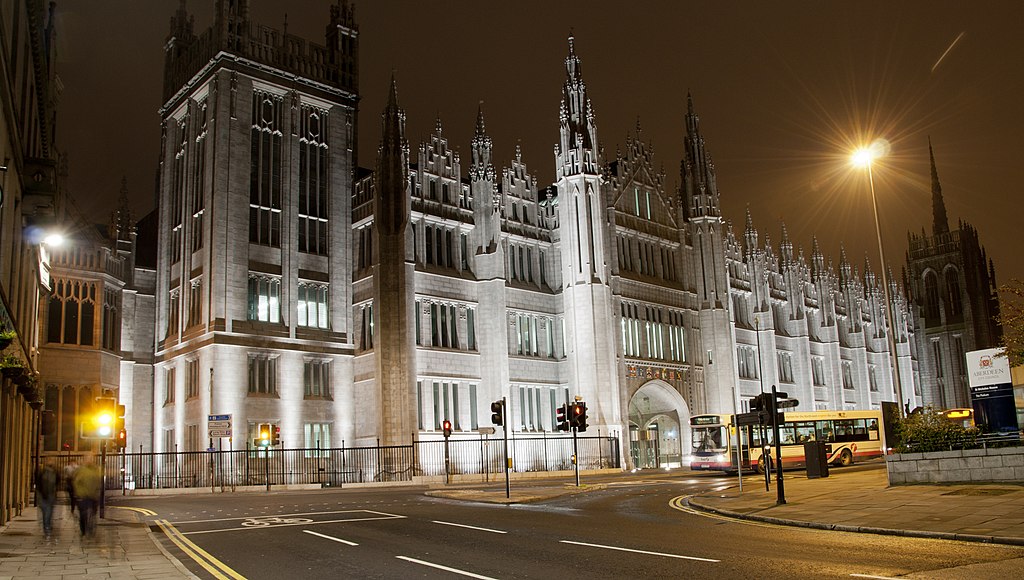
(332, 538)
(314, 523)
(679, 503)
(218, 569)
(639, 551)
(470, 527)
(445, 568)
(142, 511)
(286, 516)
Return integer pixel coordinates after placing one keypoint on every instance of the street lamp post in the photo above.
(864, 158)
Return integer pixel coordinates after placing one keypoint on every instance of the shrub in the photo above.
(930, 431)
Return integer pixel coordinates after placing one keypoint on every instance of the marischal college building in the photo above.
(355, 307)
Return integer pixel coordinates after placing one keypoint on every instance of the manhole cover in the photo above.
(981, 491)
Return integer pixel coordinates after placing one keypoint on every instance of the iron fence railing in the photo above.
(343, 465)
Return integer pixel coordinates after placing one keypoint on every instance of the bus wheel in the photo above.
(846, 458)
(760, 464)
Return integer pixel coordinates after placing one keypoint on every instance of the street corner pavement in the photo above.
(517, 494)
(860, 499)
(122, 547)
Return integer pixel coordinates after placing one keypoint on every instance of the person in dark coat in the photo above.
(46, 494)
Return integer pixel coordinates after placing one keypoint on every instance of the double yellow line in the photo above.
(218, 569)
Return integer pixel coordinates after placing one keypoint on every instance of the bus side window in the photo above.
(786, 434)
(825, 429)
(860, 430)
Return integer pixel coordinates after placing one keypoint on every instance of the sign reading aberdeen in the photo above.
(988, 373)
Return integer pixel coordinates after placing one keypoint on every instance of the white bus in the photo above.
(849, 436)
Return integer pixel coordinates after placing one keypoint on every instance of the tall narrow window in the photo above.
(265, 170)
(470, 329)
(312, 305)
(173, 312)
(199, 181)
(264, 298)
(178, 186)
(262, 374)
(317, 379)
(418, 315)
(169, 386)
(191, 378)
(195, 302)
(313, 159)
(956, 307)
(111, 320)
(464, 247)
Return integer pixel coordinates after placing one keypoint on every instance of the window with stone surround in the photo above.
(265, 170)
(313, 182)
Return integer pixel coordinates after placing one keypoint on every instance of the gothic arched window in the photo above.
(931, 296)
(956, 305)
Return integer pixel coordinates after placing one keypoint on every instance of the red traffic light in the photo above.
(446, 428)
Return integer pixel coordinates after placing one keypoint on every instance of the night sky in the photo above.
(784, 91)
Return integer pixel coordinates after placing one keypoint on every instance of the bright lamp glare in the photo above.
(53, 240)
(865, 156)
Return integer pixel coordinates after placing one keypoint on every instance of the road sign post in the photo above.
(780, 488)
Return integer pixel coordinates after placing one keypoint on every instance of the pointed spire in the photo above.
(391, 210)
(940, 223)
(437, 124)
(786, 246)
(480, 129)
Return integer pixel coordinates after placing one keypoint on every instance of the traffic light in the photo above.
(760, 402)
(446, 428)
(497, 412)
(275, 435)
(562, 423)
(581, 417)
(121, 435)
(263, 435)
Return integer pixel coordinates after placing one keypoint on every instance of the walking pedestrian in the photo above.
(69, 482)
(87, 484)
(46, 494)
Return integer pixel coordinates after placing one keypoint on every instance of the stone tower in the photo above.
(952, 283)
(393, 278)
(585, 274)
(253, 277)
(703, 217)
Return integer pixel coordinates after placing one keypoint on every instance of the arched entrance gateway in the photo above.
(659, 427)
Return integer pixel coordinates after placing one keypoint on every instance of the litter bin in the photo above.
(816, 458)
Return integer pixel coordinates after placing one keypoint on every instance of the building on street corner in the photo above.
(285, 285)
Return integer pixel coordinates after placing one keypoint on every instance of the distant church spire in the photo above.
(940, 223)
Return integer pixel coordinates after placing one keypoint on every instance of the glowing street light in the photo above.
(865, 158)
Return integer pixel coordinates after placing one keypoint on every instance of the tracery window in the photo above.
(313, 161)
(71, 312)
(265, 170)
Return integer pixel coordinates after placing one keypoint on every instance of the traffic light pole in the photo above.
(103, 479)
(575, 457)
(508, 463)
(778, 448)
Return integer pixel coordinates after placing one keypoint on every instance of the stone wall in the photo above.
(1004, 464)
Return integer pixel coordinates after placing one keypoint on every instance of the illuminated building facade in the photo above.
(356, 307)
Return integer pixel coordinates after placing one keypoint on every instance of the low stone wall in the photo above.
(1004, 465)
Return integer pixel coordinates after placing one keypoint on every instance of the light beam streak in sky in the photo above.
(956, 40)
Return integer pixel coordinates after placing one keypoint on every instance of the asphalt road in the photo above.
(630, 529)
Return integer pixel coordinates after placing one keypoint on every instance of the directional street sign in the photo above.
(219, 425)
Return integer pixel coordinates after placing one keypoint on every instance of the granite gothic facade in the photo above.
(363, 307)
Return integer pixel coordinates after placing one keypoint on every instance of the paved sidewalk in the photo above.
(862, 501)
(121, 548)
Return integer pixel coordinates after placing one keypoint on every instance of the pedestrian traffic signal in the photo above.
(275, 435)
(446, 428)
(497, 412)
(121, 441)
(562, 423)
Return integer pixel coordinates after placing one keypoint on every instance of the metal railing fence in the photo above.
(330, 467)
